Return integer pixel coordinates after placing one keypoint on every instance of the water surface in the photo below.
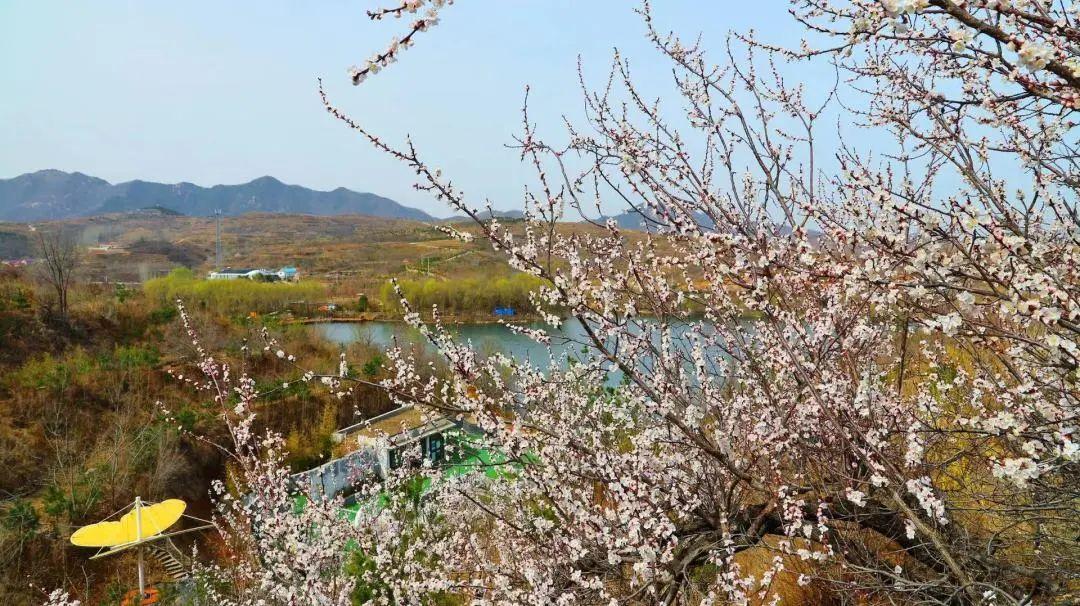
(567, 342)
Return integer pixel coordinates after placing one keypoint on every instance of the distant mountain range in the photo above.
(48, 195)
(633, 220)
(53, 194)
(511, 215)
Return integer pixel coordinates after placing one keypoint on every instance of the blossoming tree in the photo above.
(857, 382)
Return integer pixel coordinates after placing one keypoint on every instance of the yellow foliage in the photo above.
(230, 296)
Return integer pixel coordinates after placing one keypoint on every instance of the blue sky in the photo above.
(223, 92)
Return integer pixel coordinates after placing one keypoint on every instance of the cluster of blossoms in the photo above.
(1035, 56)
(59, 597)
(984, 47)
(284, 545)
(904, 7)
(389, 55)
(862, 379)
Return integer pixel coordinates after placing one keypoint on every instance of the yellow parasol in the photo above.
(144, 523)
(154, 519)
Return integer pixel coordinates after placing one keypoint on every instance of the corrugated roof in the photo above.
(399, 425)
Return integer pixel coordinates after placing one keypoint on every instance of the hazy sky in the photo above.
(223, 92)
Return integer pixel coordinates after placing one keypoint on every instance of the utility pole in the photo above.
(217, 251)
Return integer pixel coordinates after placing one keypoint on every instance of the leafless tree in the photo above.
(59, 260)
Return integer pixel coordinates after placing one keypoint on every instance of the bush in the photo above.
(308, 449)
(122, 293)
(130, 358)
(75, 501)
(55, 374)
(373, 367)
(473, 295)
(21, 518)
(163, 315)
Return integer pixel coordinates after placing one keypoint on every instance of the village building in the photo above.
(378, 445)
(285, 274)
(106, 248)
(391, 433)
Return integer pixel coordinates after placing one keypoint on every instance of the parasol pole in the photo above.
(138, 537)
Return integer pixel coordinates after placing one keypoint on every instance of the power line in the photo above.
(218, 255)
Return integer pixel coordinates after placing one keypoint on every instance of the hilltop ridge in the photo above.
(54, 195)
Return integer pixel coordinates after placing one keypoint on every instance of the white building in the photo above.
(389, 434)
(285, 274)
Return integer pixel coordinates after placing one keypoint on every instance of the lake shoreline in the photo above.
(399, 319)
(481, 319)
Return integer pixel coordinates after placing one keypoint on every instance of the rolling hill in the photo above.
(54, 195)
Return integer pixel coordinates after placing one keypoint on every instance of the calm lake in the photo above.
(568, 341)
(484, 338)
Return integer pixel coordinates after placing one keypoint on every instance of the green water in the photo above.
(568, 340)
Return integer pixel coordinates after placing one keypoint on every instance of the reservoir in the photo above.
(569, 341)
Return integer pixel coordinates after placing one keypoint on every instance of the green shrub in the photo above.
(122, 293)
(164, 314)
(373, 366)
(186, 418)
(75, 501)
(21, 518)
(14, 297)
(56, 374)
(130, 358)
